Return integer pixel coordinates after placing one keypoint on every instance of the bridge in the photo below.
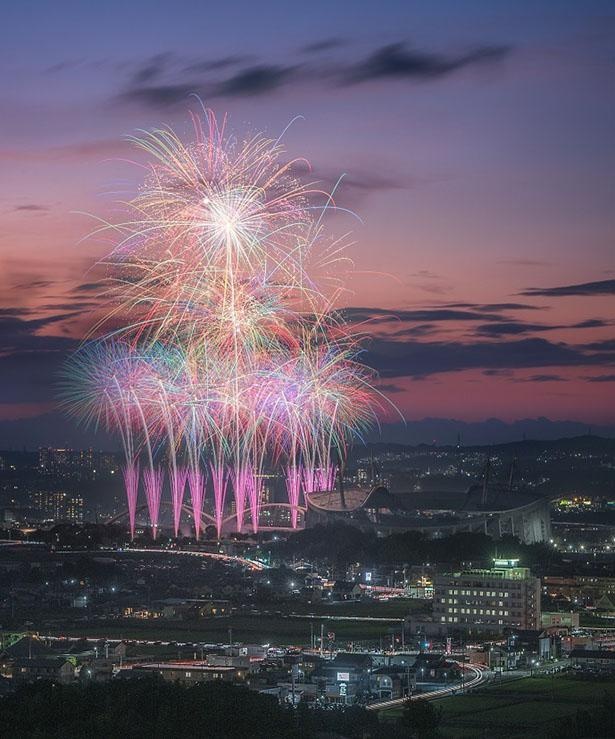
(228, 522)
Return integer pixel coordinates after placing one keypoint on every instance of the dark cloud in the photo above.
(607, 345)
(388, 62)
(31, 207)
(152, 69)
(422, 329)
(34, 285)
(497, 373)
(255, 80)
(14, 312)
(495, 307)
(64, 65)
(592, 323)
(397, 61)
(381, 315)
(543, 378)
(390, 387)
(507, 306)
(29, 376)
(29, 361)
(511, 328)
(158, 96)
(87, 287)
(323, 45)
(414, 359)
(75, 305)
(211, 65)
(19, 334)
(601, 287)
(599, 378)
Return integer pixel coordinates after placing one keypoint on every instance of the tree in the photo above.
(421, 719)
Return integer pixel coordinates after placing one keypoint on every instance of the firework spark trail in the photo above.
(254, 488)
(219, 479)
(131, 484)
(196, 484)
(153, 480)
(219, 346)
(293, 487)
(240, 476)
(177, 478)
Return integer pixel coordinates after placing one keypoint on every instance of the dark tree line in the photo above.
(151, 708)
(341, 544)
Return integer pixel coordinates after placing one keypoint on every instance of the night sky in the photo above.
(476, 140)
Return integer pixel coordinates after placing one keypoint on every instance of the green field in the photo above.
(274, 629)
(533, 706)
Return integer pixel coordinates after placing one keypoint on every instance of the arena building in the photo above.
(494, 509)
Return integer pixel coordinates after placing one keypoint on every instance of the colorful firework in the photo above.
(219, 350)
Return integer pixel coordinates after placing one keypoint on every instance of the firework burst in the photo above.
(219, 351)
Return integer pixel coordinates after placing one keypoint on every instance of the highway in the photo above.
(251, 564)
(478, 676)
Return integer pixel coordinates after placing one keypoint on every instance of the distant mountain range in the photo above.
(449, 431)
(53, 429)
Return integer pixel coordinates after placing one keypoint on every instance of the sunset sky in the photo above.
(476, 140)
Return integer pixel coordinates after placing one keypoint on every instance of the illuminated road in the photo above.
(251, 564)
(478, 676)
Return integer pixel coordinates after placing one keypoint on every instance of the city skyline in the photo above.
(477, 159)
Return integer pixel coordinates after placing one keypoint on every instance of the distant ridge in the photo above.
(53, 429)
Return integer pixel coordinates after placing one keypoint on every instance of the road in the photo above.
(478, 675)
(251, 564)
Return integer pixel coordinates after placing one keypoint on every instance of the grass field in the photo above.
(280, 630)
(521, 708)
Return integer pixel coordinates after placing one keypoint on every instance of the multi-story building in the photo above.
(84, 464)
(504, 596)
(58, 506)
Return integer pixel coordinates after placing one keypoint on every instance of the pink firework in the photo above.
(293, 488)
(153, 480)
(196, 483)
(241, 477)
(254, 488)
(131, 484)
(177, 479)
(219, 478)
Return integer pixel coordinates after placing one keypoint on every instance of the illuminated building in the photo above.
(504, 596)
(58, 506)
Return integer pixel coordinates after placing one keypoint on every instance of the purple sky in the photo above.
(476, 140)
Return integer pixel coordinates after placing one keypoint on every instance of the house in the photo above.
(433, 668)
(597, 660)
(392, 682)
(346, 590)
(524, 645)
(345, 677)
(27, 647)
(57, 669)
(188, 673)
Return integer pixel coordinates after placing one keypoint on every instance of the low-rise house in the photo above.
(188, 673)
(346, 677)
(57, 669)
(598, 660)
(392, 682)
